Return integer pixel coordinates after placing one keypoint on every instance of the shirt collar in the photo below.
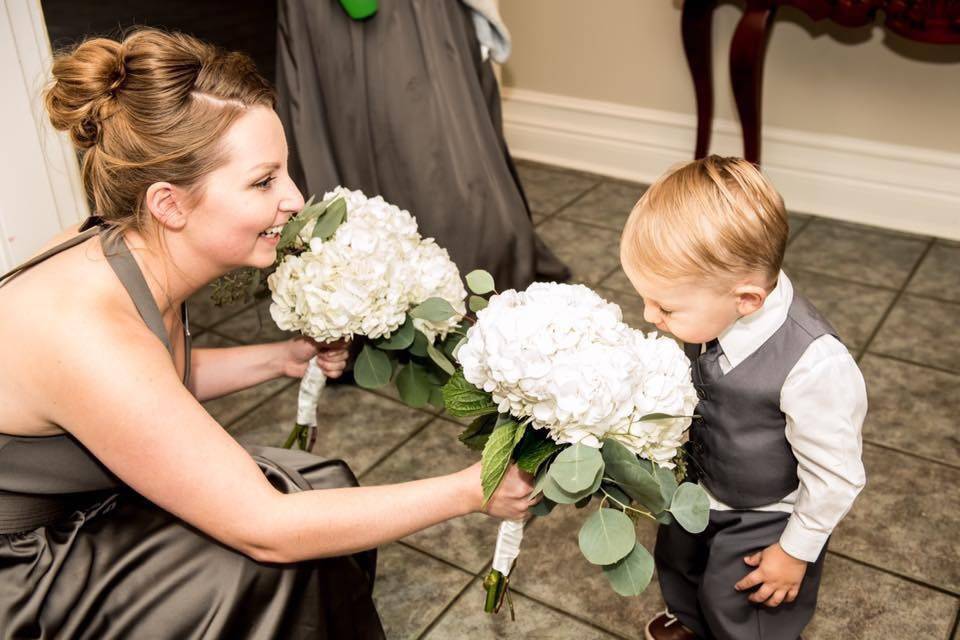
(747, 334)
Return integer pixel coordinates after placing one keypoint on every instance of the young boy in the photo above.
(777, 442)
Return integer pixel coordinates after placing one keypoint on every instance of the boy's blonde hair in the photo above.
(714, 218)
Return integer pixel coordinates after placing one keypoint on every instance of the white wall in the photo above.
(40, 191)
(866, 131)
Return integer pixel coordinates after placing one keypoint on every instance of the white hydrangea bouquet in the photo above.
(558, 383)
(353, 267)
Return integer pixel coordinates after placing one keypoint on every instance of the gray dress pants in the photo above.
(697, 573)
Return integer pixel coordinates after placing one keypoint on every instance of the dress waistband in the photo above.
(21, 512)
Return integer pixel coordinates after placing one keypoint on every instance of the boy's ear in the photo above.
(163, 204)
(750, 298)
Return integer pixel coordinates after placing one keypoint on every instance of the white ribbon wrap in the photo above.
(311, 385)
(509, 538)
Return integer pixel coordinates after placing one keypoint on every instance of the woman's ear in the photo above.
(750, 298)
(163, 203)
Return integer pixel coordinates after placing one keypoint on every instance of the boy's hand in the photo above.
(777, 572)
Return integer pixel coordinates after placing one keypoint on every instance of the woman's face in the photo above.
(246, 200)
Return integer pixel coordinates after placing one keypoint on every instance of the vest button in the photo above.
(701, 394)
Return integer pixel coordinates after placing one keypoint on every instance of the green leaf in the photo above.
(434, 310)
(440, 360)
(481, 427)
(373, 368)
(664, 518)
(496, 457)
(617, 494)
(413, 385)
(607, 536)
(450, 344)
(419, 345)
(400, 339)
(331, 219)
(542, 479)
(632, 475)
(480, 281)
(543, 508)
(653, 417)
(631, 575)
(295, 224)
(576, 467)
(534, 451)
(436, 396)
(463, 399)
(667, 482)
(553, 491)
(691, 507)
(476, 303)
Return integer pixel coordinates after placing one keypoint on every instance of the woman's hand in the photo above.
(511, 500)
(332, 357)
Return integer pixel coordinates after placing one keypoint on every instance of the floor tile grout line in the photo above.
(229, 316)
(452, 565)
(800, 229)
(835, 278)
(896, 574)
(923, 365)
(553, 607)
(572, 201)
(394, 449)
(229, 425)
(918, 456)
(952, 634)
(443, 612)
(896, 299)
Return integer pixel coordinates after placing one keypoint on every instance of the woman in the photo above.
(125, 510)
(403, 104)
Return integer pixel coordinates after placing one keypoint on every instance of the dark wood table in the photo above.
(929, 21)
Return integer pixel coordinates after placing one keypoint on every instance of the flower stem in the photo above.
(496, 586)
(624, 506)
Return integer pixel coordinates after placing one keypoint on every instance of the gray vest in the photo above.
(738, 445)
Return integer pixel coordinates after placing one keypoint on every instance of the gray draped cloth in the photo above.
(401, 105)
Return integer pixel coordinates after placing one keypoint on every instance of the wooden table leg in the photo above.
(696, 24)
(747, 52)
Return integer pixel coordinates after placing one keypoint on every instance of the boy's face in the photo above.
(694, 313)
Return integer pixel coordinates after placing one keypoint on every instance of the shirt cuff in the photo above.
(802, 542)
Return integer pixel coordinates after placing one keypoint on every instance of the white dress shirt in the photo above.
(825, 401)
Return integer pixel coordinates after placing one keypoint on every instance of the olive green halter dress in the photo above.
(83, 556)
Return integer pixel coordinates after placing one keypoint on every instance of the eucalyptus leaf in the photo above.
(576, 467)
(400, 339)
(434, 310)
(653, 417)
(436, 396)
(664, 518)
(373, 368)
(541, 481)
(556, 493)
(480, 281)
(440, 360)
(543, 508)
(476, 303)
(330, 221)
(668, 484)
(419, 345)
(631, 575)
(607, 536)
(496, 457)
(413, 385)
(632, 475)
(691, 507)
(449, 346)
(463, 399)
(295, 224)
(617, 494)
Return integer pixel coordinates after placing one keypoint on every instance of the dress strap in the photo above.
(63, 246)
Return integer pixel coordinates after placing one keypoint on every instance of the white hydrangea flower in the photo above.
(562, 356)
(363, 279)
(437, 277)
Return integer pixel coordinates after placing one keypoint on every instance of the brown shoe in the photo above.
(666, 627)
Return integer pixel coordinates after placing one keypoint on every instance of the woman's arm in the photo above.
(141, 422)
(220, 371)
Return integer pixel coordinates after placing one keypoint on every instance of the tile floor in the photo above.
(893, 569)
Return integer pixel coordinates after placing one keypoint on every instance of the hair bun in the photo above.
(84, 81)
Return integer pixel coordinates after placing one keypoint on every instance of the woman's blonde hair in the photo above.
(711, 219)
(150, 108)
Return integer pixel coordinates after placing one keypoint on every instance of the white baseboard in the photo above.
(893, 186)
